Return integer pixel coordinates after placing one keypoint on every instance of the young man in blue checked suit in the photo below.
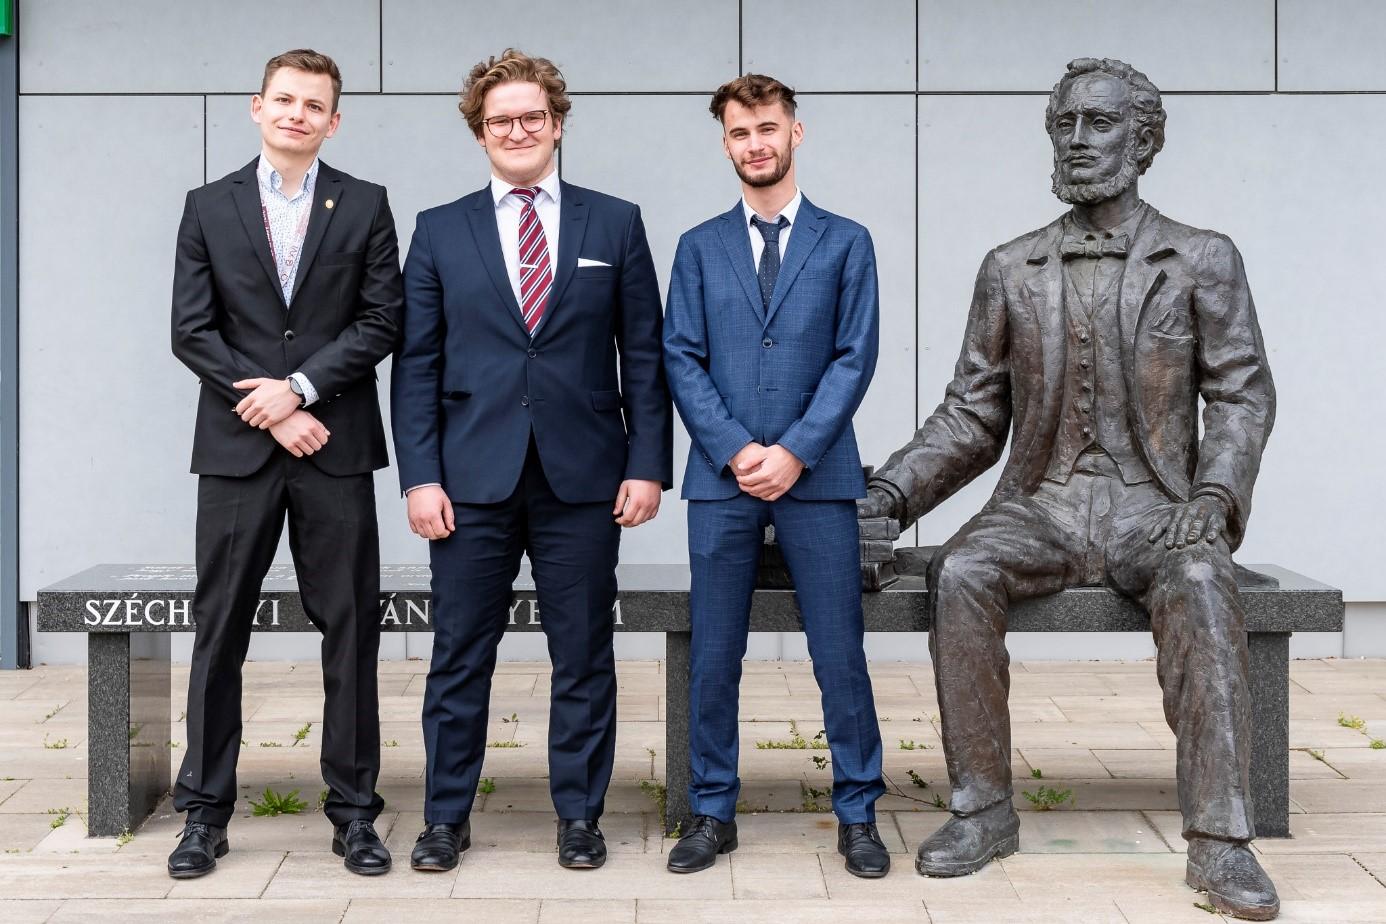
(770, 340)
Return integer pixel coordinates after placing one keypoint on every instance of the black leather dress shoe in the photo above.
(440, 846)
(1234, 880)
(965, 844)
(580, 844)
(698, 849)
(360, 848)
(197, 852)
(866, 855)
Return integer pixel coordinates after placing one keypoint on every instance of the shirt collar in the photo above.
(788, 212)
(1127, 227)
(270, 178)
(500, 189)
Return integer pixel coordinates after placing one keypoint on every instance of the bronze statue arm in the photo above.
(966, 433)
(1235, 381)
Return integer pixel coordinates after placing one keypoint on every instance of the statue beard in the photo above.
(1088, 193)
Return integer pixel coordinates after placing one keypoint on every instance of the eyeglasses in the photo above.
(531, 122)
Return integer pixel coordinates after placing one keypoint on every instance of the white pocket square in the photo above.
(583, 261)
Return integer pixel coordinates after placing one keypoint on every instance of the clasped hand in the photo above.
(766, 472)
(269, 401)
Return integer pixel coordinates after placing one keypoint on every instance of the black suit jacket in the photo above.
(230, 321)
(470, 386)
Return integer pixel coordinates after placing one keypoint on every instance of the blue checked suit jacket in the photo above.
(791, 374)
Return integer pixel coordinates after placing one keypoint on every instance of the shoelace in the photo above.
(196, 827)
(704, 827)
(358, 824)
(866, 829)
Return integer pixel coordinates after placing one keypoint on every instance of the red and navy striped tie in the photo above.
(536, 275)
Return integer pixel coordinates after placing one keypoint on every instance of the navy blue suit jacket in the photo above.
(470, 386)
(792, 374)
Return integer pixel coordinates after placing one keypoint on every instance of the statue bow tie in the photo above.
(1110, 247)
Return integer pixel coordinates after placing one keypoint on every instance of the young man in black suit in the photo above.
(286, 294)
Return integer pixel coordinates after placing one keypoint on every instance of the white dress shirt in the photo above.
(757, 241)
(508, 210)
(286, 218)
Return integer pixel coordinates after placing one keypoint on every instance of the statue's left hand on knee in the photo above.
(1201, 519)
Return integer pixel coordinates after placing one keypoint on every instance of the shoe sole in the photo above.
(217, 853)
(728, 847)
(1002, 848)
(1198, 883)
(340, 851)
(462, 849)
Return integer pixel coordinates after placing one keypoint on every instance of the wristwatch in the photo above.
(296, 389)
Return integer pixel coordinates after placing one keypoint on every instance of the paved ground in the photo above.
(1110, 853)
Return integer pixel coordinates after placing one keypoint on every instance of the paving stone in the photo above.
(1059, 763)
(1357, 763)
(239, 874)
(1330, 833)
(1101, 795)
(1332, 912)
(28, 911)
(38, 796)
(1138, 708)
(625, 876)
(1089, 832)
(81, 876)
(532, 832)
(780, 911)
(211, 911)
(1049, 877)
(759, 875)
(442, 911)
(1167, 910)
(1326, 877)
(309, 873)
(1339, 795)
(1013, 911)
(586, 911)
(20, 833)
(903, 883)
(1026, 735)
(802, 833)
(1158, 764)
(1374, 863)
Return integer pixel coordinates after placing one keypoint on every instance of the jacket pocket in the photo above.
(606, 400)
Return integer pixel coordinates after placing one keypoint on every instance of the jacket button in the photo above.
(533, 353)
(767, 343)
(524, 400)
(288, 335)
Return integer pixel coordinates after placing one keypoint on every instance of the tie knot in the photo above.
(527, 193)
(768, 230)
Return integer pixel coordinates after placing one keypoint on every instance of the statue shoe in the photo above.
(580, 844)
(1235, 883)
(964, 844)
(698, 849)
(866, 855)
(197, 851)
(440, 846)
(360, 848)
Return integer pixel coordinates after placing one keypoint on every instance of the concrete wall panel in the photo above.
(827, 45)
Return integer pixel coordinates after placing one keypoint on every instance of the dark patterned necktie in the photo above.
(769, 268)
(536, 276)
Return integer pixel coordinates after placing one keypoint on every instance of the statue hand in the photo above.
(1197, 520)
(878, 502)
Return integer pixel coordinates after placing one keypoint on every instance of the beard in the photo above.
(1101, 191)
(783, 161)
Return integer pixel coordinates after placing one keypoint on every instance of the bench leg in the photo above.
(127, 729)
(677, 651)
(1270, 725)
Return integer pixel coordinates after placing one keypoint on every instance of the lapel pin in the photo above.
(328, 203)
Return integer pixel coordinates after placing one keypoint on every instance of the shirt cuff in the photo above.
(310, 394)
(427, 484)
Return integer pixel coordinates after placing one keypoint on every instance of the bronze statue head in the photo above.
(1106, 123)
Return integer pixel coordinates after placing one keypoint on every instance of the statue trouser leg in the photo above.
(1202, 665)
(1020, 548)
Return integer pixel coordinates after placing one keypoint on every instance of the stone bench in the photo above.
(128, 611)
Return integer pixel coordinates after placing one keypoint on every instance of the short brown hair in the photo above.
(513, 66)
(751, 90)
(305, 59)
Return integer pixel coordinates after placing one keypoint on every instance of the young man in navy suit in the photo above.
(530, 415)
(770, 341)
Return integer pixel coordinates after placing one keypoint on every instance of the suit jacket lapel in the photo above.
(734, 232)
(328, 187)
(245, 191)
(486, 233)
(1143, 275)
(572, 219)
(808, 227)
(1044, 294)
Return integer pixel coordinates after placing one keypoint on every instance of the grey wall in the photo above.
(923, 121)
